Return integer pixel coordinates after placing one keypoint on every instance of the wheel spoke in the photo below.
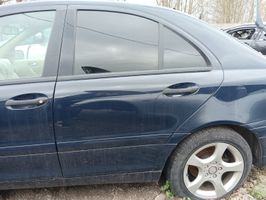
(212, 169)
(219, 150)
(233, 167)
(196, 161)
(219, 188)
(195, 185)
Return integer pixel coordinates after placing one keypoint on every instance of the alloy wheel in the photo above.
(213, 170)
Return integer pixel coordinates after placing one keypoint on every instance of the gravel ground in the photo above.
(254, 188)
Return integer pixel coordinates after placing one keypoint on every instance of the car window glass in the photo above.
(23, 44)
(115, 42)
(179, 53)
(243, 34)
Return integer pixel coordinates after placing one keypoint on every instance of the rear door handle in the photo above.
(181, 91)
(26, 103)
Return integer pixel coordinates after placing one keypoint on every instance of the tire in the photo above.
(209, 164)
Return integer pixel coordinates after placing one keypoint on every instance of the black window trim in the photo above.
(67, 58)
(52, 58)
(133, 73)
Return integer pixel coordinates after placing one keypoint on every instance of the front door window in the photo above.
(23, 44)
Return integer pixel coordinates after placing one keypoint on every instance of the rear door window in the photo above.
(115, 42)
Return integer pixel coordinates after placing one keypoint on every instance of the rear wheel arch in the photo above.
(250, 137)
(253, 142)
(223, 183)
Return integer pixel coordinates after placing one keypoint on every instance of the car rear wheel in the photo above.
(210, 164)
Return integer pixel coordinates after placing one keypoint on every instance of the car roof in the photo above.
(108, 3)
(73, 2)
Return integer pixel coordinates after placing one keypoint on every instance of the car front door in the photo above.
(123, 91)
(27, 144)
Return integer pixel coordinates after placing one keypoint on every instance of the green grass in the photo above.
(258, 192)
(166, 188)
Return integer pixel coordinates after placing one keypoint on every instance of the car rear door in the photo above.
(126, 83)
(27, 81)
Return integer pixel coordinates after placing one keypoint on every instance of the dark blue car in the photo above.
(95, 93)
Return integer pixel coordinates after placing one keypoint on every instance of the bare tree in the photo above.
(217, 11)
(5, 1)
(228, 11)
(2, 1)
(192, 7)
(250, 10)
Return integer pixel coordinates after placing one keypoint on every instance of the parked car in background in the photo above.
(250, 35)
(94, 92)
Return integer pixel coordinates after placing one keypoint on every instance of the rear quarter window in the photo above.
(179, 53)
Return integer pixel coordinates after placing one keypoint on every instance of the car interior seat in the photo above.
(7, 70)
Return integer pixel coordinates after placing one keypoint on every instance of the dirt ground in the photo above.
(254, 188)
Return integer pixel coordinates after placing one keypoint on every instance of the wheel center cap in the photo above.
(212, 170)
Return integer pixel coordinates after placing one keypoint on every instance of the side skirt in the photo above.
(139, 177)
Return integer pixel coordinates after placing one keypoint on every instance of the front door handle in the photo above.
(181, 90)
(26, 103)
